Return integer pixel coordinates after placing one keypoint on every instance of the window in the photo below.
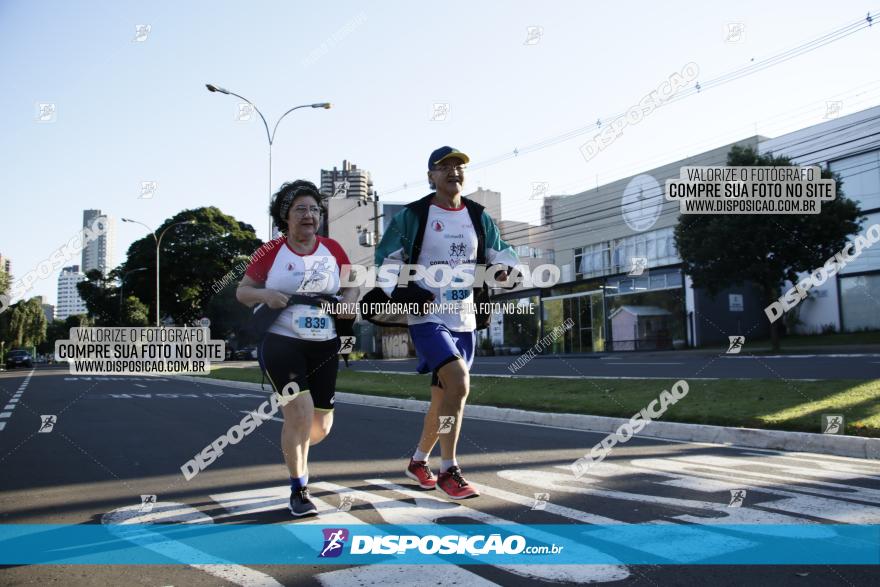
(860, 175)
(658, 246)
(592, 260)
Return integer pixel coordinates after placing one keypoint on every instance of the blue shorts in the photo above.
(436, 345)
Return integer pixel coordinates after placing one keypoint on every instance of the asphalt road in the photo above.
(115, 439)
(670, 365)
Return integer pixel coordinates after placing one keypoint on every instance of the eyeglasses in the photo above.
(446, 168)
(303, 211)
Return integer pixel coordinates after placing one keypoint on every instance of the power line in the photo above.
(553, 232)
(783, 147)
(806, 47)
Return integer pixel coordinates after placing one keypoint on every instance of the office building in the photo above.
(622, 284)
(69, 303)
(98, 253)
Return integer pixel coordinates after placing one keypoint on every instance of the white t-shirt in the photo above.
(450, 239)
(283, 269)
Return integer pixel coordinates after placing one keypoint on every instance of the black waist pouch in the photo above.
(481, 303)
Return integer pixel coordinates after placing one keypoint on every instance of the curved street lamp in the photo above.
(158, 244)
(269, 135)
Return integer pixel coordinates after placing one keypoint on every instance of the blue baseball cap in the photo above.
(445, 153)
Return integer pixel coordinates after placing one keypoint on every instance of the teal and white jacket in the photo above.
(403, 243)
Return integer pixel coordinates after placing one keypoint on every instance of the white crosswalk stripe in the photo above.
(782, 489)
(566, 483)
(428, 509)
(810, 480)
(168, 513)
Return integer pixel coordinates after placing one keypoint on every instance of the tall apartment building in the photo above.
(348, 182)
(69, 303)
(98, 254)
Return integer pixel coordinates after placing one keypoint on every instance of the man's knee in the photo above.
(299, 410)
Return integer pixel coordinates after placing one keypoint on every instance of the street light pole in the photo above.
(269, 135)
(158, 244)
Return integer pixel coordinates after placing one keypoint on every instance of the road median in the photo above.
(770, 414)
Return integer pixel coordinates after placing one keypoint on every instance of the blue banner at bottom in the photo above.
(313, 543)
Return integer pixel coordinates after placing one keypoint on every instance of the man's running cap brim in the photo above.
(444, 153)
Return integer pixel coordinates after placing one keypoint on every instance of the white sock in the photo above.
(420, 456)
(446, 465)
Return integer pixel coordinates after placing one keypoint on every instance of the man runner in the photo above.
(454, 231)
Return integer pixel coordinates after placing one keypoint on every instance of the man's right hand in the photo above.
(413, 294)
(275, 299)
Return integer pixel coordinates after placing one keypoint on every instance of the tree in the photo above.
(193, 259)
(5, 281)
(101, 297)
(766, 250)
(60, 330)
(228, 315)
(5, 284)
(24, 324)
(134, 312)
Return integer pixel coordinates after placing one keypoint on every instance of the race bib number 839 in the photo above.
(311, 323)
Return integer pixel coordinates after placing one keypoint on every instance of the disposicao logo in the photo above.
(334, 540)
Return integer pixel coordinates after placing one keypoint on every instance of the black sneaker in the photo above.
(300, 504)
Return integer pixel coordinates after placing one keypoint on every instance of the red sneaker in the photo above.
(453, 484)
(420, 472)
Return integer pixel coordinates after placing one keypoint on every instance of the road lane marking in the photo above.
(796, 503)
(429, 510)
(400, 576)
(615, 377)
(267, 499)
(273, 418)
(628, 364)
(828, 462)
(8, 408)
(252, 501)
(789, 476)
(566, 482)
(171, 512)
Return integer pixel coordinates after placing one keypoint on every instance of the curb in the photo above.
(826, 444)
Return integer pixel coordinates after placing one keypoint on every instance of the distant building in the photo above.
(348, 182)
(98, 254)
(489, 200)
(69, 302)
(5, 264)
(847, 146)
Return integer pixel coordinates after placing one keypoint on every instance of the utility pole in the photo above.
(375, 219)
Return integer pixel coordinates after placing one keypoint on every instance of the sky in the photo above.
(132, 109)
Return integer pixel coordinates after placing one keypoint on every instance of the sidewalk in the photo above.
(849, 350)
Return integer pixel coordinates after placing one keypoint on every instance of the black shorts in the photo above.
(311, 364)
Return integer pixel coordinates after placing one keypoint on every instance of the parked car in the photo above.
(19, 358)
(246, 353)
